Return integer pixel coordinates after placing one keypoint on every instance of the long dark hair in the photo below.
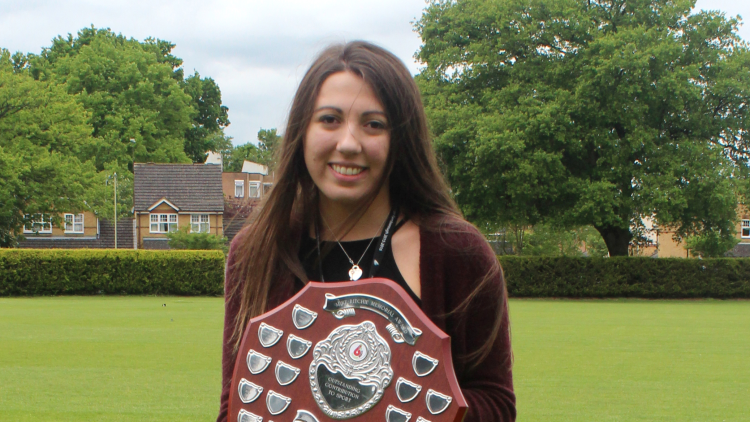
(267, 252)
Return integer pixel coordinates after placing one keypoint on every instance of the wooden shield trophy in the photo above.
(359, 350)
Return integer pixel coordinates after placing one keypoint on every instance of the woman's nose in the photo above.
(349, 143)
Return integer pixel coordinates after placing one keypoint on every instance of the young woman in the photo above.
(357, 158)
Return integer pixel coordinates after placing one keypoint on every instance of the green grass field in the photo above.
(132, 359)
(632, 360)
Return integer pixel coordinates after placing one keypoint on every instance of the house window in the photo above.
(199, 223)
(73, 223)
(267, 187)
(254, 190)
(163, 223)
(239, 188)
(42, 225)
(745, 229)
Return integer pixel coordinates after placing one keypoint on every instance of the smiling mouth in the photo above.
(347, 171)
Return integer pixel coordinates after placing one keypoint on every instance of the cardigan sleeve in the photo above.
(231, 308)
(281, 291)
(456, 263)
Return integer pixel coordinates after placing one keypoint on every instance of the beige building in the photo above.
(252, 183)
(244, 190)
(667, 247)
(77, 230)
(77, 225)
(167, 197)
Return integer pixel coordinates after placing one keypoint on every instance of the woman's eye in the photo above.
(327, 119)
(375, 125)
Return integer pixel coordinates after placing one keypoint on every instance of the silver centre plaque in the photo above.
(350, 370)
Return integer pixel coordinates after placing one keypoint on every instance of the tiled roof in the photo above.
(741, 250)
(190, 187)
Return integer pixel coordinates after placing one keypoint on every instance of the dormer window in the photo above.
(163, 223)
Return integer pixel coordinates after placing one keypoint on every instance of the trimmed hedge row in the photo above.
(36, 272)
(25, 272)
(627, 277)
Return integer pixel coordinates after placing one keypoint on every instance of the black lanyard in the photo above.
(382, 245)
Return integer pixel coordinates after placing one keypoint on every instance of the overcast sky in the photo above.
(257, 51)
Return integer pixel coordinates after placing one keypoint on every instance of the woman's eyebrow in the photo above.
(382, 113)
(327, 107)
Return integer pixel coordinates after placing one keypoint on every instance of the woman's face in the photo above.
(346, 143)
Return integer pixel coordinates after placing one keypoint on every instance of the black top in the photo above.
(336, 266)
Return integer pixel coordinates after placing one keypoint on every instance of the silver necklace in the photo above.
(355, 272)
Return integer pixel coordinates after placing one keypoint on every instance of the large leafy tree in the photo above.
(588, 112)
(138, 103)
(206, 133)
(130, 89)
(45, 142)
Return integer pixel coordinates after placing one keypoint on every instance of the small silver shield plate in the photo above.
(245, 416)
(276, 403)
(304, 416)
(407, 390)
(268, 335)
(436, 402)
(286, 374)
(303, 317)
(249, 392)
(257, 362)
(423, 365)
(297, 346)
(394, 414)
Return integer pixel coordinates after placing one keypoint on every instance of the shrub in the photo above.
(183, 239)
(33, 272)
(711, 244)
(626, 277)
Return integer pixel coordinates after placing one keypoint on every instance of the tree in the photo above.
(234, 157)
(588, 112)
(44, 144)
(262, 153)
(268, 143)
(130, 89)
(210, 120)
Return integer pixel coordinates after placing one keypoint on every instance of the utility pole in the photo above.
(115, 210)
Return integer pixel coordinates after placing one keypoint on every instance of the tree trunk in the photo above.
(617, 239)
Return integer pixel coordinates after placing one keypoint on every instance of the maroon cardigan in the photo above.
(451, 263)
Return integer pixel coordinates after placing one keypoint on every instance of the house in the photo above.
(664, 245)
(167, 197)
(77, 231)
(252, 183)
(243, 191)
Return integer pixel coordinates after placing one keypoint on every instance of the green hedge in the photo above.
(35, 272)
(25, 272)
(627, 277)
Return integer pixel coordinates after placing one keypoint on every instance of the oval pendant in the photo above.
(355, 273)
